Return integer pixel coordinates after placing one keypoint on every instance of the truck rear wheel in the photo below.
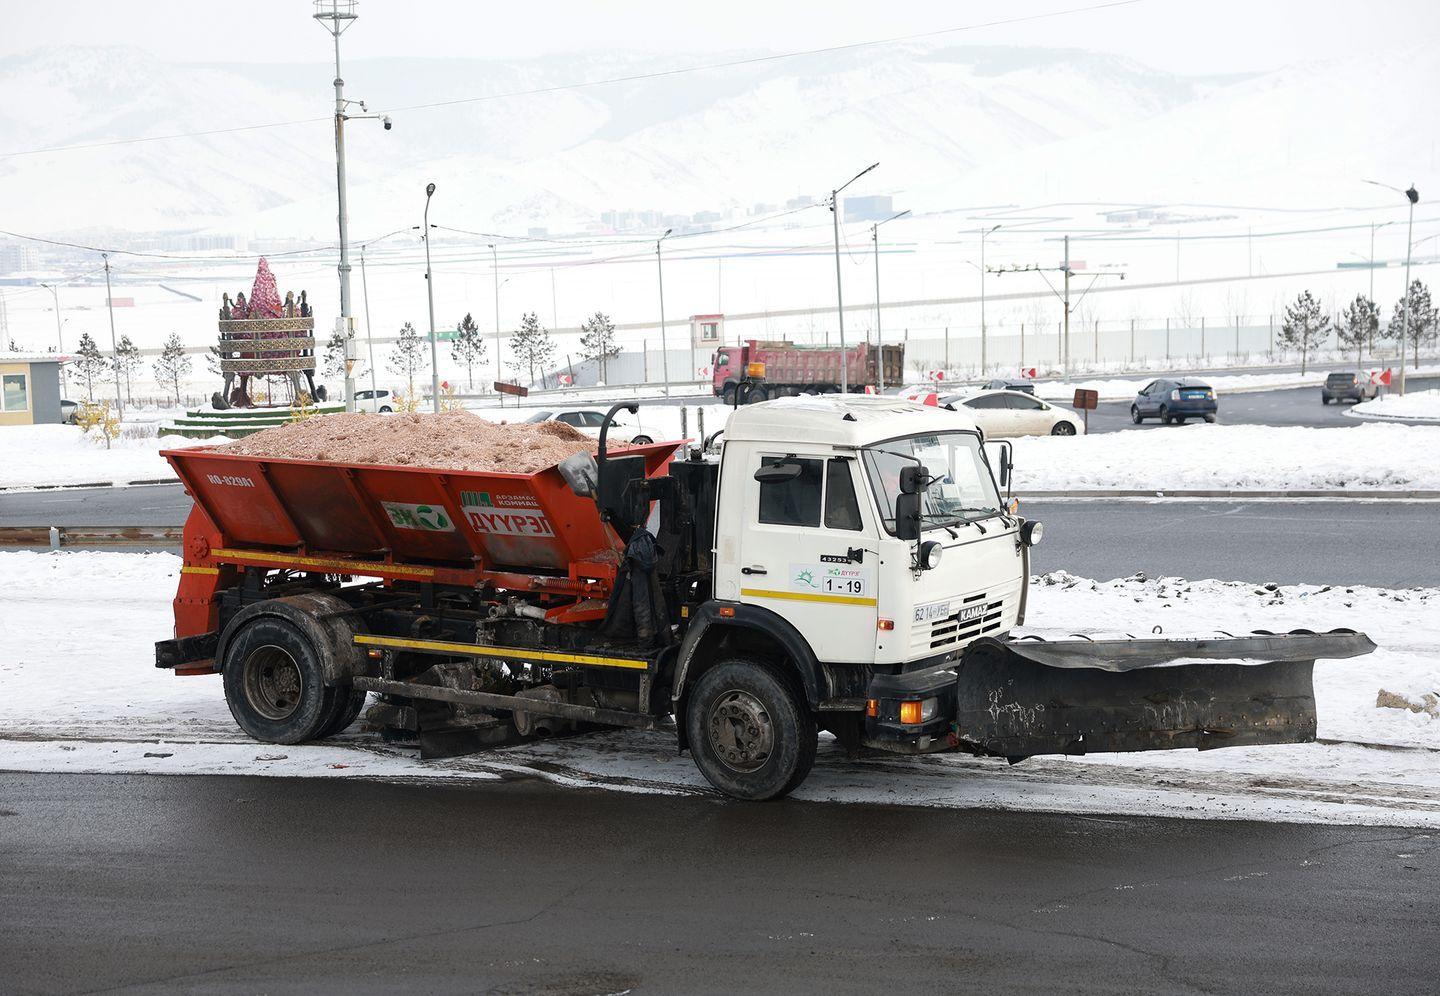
(274, 684)
(349, 703)
(750, 736)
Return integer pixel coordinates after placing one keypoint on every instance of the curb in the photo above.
(1417, 495)
(39, 536)
(1392, 419)
(90, 484)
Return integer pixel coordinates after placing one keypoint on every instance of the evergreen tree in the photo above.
(174, 365)
(531, 346)
(1422, 320)
(597, 342)
(127, 361)
(334, 364)
(1306, 325)
(1358, 325)
(89, 364)
(408, 357)
(467, 348)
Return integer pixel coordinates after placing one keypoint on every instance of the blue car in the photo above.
(1174, 401)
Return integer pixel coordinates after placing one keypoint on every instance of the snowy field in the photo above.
(1417, 406)
(43, 455)
(84, 696)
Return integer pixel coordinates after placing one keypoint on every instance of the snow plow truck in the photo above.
(845, 564)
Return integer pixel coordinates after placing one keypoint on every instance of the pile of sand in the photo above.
(454, 440)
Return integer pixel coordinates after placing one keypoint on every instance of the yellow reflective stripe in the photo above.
(199, 570)
(805, 596)
(344, 566)
(472, 650)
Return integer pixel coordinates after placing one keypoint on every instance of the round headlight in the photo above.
(930, 553)
(1031, 533)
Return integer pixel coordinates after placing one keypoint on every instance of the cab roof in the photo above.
(840, 420)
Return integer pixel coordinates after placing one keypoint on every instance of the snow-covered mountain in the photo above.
(951, 126)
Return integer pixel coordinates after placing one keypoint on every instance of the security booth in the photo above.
(707, 331)
(30, 389)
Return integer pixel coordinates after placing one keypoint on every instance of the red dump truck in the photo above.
(785, 369)
(845, 564)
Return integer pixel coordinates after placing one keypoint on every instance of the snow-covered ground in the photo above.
(1125, 388)
(1351, 460)
(82, 694)
(1417, 406)
(41, 455)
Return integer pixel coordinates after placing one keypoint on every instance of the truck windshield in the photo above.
(962, 489)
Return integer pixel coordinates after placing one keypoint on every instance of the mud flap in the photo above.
(1018, 698)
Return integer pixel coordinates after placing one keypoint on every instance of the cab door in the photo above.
(802, 552)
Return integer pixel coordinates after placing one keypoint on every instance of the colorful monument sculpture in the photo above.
(265, 337)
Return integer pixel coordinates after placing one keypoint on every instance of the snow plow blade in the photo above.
(1019, 698)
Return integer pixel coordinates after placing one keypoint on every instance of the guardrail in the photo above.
(56, 537)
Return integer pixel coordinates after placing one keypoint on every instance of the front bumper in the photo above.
(883, 728)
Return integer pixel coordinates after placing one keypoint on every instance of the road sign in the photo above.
(565, 380)
(1086, 400)
(1027, 372)
(1380, 376)
(515, 389)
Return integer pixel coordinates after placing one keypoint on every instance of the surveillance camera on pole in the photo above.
(336, 16)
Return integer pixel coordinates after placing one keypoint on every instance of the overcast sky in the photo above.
(1183, 36)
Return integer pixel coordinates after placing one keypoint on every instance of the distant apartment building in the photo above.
(18, 257)
(876, 207)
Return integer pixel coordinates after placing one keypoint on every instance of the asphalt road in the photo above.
(1384, 543)
(242, 885)
(1294, 406)
(1379, 543)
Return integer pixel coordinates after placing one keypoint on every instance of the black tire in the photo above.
(274, 683)
(727, 394)
(1135, 415)
(783, 739)
(1211, 418)
(1324, 399)
(1180, 419)
(1063, 429)
(217, 402)
(347, 709)
(386, 409)
(642, 440)
(1165, 416)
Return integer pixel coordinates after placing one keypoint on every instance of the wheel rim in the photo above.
(1064, 429)
(740, 730)
(272, 682)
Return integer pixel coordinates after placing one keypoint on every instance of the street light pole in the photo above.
(369, 337)
(839, 292)
(1067, 308)
(983, 340)
(664, 346)
(495, 265)
(1413, 196)
(115, 350)
(59, 333)
(879, 339)
(430, 293)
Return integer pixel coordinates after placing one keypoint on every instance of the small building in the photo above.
(706, 331)
(30, 388)
(875, 207)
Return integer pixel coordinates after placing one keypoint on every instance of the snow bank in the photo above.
(1418, 405)
(83, 695)
(1125, 388)
(1218, 457)
(35, 455)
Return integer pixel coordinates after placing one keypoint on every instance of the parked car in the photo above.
(1001, 384)
(68, 411)
(1174, 401)
(589, 421)
(1005, 414)
(378, 402)
(1347, 387)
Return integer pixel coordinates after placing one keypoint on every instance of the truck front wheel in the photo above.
(274, 683)
(750, 736)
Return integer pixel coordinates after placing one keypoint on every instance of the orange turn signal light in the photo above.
(727, 611)
(872, 708)
(374, 655)
(910, 713)
(885, 625)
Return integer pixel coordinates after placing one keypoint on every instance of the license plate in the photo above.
(931, 612)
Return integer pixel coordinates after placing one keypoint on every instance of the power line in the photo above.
(632, 78)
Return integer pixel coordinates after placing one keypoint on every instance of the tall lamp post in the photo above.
(495, 266)
(983, 340)
(664, 344)
(335, 16)
(115, 350)
(1413, 196)
(59, 333)
(430, 293)
(879, 340)
(839, 293)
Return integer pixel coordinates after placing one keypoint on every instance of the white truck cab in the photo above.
(806, 528)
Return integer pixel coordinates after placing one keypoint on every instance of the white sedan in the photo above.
(1006, 414)
(589, 420)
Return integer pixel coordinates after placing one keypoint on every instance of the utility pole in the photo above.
(664, 345)
(495, 263)
(59, 333)
(335, 16)
(369, 337)
(115, 350)
(1067, 307)
(430, 293)
(839, 293)
(983, 340)
(1413, 196)
(879, 339)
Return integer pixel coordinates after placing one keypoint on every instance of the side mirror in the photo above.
(913, 479)
(907, 516)
(777, 473)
